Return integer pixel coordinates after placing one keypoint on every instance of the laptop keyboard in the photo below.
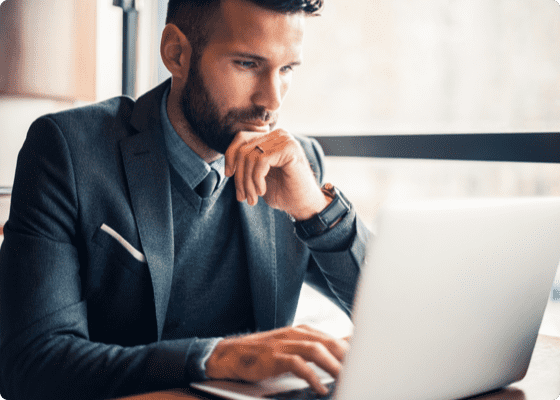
(304, 394)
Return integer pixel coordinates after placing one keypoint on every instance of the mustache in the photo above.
(252, 114)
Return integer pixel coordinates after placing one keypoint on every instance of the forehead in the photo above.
(245, 27)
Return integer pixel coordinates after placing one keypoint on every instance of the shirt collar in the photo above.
(192, 168)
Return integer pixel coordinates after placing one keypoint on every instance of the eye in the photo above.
(286, 69)
(246, 64)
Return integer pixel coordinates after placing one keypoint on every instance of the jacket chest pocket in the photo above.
(117, 288)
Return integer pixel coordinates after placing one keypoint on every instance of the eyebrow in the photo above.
(256, 57)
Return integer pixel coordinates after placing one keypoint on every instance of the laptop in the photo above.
(449, 303)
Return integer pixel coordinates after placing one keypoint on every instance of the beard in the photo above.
(203, 115)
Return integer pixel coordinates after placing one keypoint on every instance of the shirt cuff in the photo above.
(338, 238)
(200, 352)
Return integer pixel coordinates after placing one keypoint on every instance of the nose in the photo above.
(270, 92)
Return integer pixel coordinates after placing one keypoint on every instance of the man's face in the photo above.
(241, 77)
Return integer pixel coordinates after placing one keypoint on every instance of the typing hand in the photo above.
(262, 355)
(274, 166)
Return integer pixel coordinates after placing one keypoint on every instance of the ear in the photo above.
(175, 52)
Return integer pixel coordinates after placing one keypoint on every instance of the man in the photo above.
(119, 274)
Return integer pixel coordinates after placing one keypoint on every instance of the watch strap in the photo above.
(324, 220)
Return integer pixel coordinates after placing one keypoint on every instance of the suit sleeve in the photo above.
(45, 349)
(337, 254)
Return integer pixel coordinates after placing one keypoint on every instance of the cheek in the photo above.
(285, 85)
(230, 89)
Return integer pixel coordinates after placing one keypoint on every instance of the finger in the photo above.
(230, 156)
(248, 183)
(241, 139)
(245, 160)
(337, 347)
(312, 351)
(260, 171)
(231, 153)
(239, 176)
(300, 332)
(297, 366)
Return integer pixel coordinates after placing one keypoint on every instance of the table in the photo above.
(542, 381)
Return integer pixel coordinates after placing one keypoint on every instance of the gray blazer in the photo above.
(80, 316)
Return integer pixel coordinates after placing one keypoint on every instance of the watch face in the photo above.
(329, 190)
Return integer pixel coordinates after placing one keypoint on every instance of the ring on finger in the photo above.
(259, 148)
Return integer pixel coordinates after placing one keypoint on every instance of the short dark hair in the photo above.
(194, 17)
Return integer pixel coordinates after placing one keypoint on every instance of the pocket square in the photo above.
(130, 248)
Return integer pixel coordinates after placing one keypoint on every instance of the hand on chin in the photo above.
(273, 165)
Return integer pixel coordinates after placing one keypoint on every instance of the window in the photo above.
(376, 68)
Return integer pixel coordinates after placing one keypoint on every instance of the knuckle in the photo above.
(243, 150)
(303, 329)
(316, 347)
(285, 330)
(290, 139)
(332, 342)
(282, 132)
(295, 360)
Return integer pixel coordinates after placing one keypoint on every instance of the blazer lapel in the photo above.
(148, 181)
(260, 244)
(147, 174)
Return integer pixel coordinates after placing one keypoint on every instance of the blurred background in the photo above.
(371, 67)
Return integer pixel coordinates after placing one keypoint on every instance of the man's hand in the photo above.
(274, 166)
(262, 355)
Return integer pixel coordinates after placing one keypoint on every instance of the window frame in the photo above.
(541, 147)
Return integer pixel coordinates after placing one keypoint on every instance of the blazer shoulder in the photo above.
(99, 124)
(117, 106)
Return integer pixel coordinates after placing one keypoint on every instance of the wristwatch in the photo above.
(327, 218)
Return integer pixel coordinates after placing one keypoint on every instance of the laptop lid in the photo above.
(449, 303)
(451, 297)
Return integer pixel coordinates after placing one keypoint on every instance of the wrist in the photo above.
(314, 206)
(326, 219)
(214, 367)
(207, 352)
